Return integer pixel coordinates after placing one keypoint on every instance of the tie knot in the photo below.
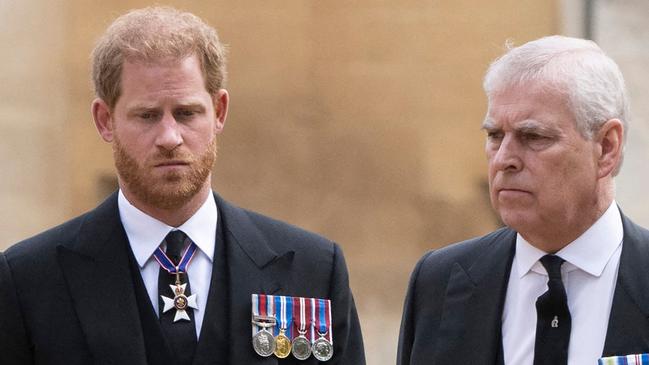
(175, 241)
(552, 264)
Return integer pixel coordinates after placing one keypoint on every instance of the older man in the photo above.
(165, 271)
(567, 280)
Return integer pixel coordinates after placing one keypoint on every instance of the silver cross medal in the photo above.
(180, 301)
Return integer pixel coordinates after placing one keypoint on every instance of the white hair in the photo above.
(590, 80)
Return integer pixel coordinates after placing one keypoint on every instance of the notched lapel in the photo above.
(96, 269)
(628, 327)
(471, 322)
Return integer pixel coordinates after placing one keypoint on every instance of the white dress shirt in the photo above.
(145, 234)
(589, 276)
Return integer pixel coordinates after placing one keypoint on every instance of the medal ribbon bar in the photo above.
(306, 322)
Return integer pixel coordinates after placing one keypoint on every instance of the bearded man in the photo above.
(165, 270)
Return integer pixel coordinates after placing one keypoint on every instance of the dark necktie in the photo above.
(553, 318)
(180, 335)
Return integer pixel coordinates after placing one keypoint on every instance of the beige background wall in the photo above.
(358, 120)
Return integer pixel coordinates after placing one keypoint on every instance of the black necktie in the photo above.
(180, 335)
(553, 321)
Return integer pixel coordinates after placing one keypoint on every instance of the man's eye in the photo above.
(185, 114)
(533, 137)
(494, 135)
(147, 115)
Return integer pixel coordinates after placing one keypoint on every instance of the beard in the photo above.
(171, 190)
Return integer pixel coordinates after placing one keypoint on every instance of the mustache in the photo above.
(163, 156)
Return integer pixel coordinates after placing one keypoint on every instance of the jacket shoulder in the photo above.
(44, 244)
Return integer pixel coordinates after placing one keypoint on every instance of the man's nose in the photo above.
(169, 135)
(507, 156)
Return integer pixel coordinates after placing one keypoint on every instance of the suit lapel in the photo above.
(97, 273)
(253, 267)
(628, 327)
(474, 302)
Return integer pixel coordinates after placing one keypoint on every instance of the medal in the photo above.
(283, 325)
(323, 348)
(180, 301)
(283, 343)
(301, 346)
(263, 341)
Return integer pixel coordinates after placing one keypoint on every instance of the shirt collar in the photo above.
(145, 233)
(606, 234)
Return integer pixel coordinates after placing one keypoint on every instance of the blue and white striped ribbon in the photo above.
(636, 359)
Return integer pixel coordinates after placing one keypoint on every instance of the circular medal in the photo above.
(282, 345)
(264, 343)
(180, 302)
(301, 347)
(322, 349)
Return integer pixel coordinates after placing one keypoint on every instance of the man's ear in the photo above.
(220, 99)
(101, 113)
(610, 138)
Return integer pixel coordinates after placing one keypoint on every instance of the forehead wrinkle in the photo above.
(190, 102)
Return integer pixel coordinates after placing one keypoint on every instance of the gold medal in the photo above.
(283, 345)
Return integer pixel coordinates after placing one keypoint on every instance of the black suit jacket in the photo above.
(453, 310)
(67, 296)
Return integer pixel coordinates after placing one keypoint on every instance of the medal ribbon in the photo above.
(322, 321)
(300, 310)
(313, 319)
(255, 311)
(262, 307)
(324, 318)
(328, 320)
(270, 310)
(166, 263)
(284, 307)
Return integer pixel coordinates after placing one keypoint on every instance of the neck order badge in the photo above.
(180, 301)
(282, 325)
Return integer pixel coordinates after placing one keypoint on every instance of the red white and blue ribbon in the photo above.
(169, 266)
(635, 359)
(264, 306)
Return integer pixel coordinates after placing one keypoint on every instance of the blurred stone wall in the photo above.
(34, 106)
(621, 28)
(358, 120)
